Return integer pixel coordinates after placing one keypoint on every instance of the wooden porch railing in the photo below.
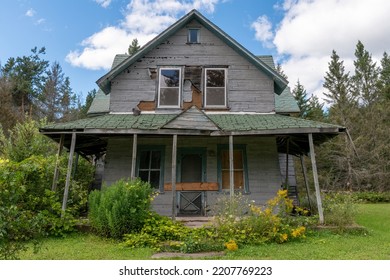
(196, 186)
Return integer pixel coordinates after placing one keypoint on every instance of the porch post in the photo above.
(57, 169)
(231, 165)
(134, 157)
(76, 163)
(286, 184)
(173, 175)
(69, 172)
(304, 171)
(315, 176)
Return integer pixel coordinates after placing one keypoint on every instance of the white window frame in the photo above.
(159, 88)
(189, 36)
(205, 89)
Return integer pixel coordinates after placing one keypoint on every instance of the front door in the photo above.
(191, 165)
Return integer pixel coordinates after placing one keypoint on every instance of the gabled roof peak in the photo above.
(279, 82)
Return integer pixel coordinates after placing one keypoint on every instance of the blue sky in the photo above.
(84, 35)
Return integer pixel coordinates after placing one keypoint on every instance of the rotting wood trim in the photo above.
(147, 105)
(194, 186)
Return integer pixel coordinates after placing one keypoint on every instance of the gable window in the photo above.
(150, 165)
(239, 168)
(193, 36)
(169, 87)
(215, 87)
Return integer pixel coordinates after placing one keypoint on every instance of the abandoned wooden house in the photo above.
(198, 116)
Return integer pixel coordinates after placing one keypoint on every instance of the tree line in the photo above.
(32, 86)
(359, 160)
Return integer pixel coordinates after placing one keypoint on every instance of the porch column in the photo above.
(57, 169)
(231, 165)
(286, 183)
(173, 175)
(69, 172)
(75, 165)
(304, 171)
(134, 157)
(315, 176)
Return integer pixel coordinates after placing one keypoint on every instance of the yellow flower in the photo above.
(300, 231)
(283, 237)
(231, 245)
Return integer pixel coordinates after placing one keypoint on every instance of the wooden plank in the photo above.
(231, 166)
(304, 171)
(193, 186)
(174, 158)
(134, 157)
(315, 177)
(69, 173)
(57, 169)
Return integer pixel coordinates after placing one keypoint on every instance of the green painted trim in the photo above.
(192, 150)
(160, 148)
(225, 147)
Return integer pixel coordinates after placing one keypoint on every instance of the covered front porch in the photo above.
(218, 155)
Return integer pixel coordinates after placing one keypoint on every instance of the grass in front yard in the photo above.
(83, 246)
(322, 245)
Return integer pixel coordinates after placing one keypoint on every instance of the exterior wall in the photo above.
(248, 88)
(262, 164)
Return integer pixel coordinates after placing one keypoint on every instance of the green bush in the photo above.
(339, 209)
(372, 197)
(28, 208)
(120, 208)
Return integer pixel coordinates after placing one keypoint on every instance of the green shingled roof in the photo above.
(264, 122)
(227, 122)
(114, 121)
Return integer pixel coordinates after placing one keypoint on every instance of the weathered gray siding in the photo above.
(248, 88)
(262, 162)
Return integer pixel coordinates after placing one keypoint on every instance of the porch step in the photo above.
(194, 222)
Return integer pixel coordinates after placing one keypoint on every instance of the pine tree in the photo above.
(27, 77)
(341, 111)
(134, 47)
(300, 95)
(385, 77)
(366, 77)
(338, 84)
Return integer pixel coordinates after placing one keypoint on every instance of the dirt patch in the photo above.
(191, 256)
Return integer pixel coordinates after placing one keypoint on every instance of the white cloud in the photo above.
(143, 19)
(30, 12)
(311, 29)
(103, 3)
(263, 30)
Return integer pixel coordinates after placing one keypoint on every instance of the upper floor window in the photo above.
(215, 87)
(193, 36)
(169, 87)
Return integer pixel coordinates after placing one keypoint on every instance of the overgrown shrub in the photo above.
(120, 208)
(272, 223)
(28, 208)
(236, 222)
(339, 209)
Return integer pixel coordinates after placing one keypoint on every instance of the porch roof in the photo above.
(93, 132)
(228, 124)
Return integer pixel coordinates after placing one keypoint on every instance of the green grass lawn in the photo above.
(322, 245)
